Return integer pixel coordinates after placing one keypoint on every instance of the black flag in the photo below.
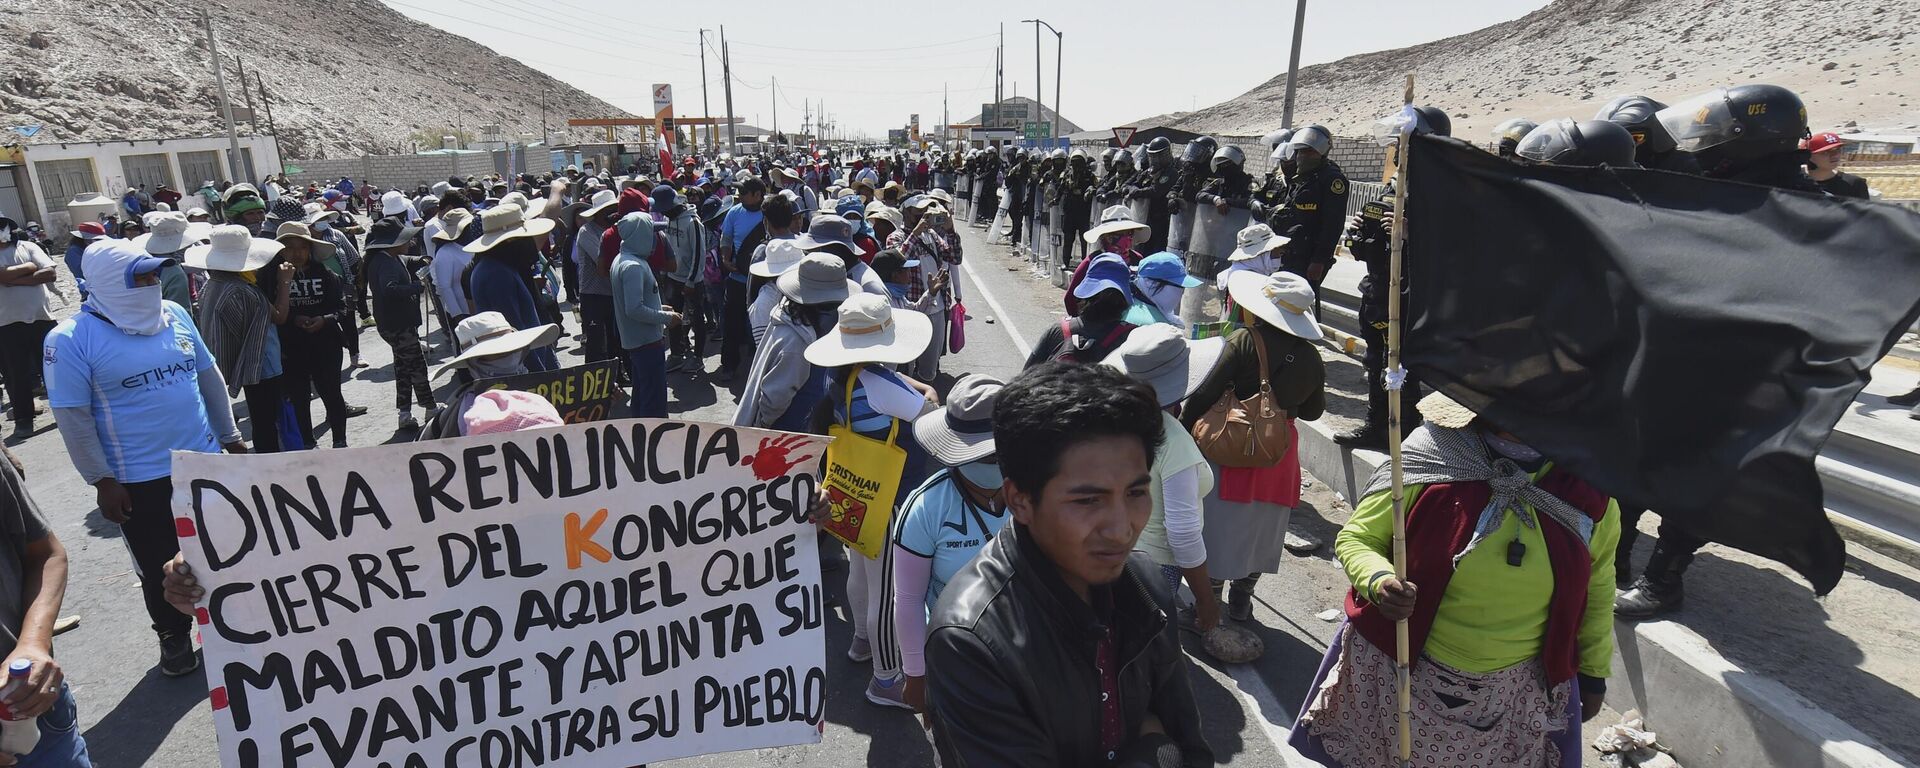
(1682, 343)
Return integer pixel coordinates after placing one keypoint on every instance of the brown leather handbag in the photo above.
(1246, 433)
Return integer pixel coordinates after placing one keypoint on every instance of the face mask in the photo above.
(135, 310)
(6, 235)
(1512, 449)
(982, 475)
(322, 226)
(511, 364)
(1166, 296)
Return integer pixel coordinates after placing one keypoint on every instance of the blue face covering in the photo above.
(982, 475)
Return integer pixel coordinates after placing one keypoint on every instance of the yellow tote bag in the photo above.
(862, 481)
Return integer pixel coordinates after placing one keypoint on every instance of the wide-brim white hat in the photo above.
(506, 222)
(166, 239)
(870, 331)
(1162, 356)
(600, 201)
(1445, 412)
(1283, 300)
(232, 249)
(1255, 241)
(782, 255)
(1117, 218)
(493, 341)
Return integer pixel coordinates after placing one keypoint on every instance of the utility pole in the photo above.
(1293, 61)
(1037, 106)
(945, 128)
(253, 118)
(773, 95)
(544, 135)
(261, 81)
(726, 76)
(706, 110)
(226, 106)
(1059, 43)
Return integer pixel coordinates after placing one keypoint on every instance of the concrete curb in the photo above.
(1711, 713)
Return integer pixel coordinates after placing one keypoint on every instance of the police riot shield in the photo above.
(1180, 228)
(1215, 233)
(1213, 239)
(1040, 225)
(1056, 244)
(1141, 207)
(963, 196)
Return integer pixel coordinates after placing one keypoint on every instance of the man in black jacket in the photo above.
(1055, 647)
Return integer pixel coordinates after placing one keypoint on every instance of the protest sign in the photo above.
(600, 594)
(581, 393)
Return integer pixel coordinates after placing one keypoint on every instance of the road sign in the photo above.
(662, 97)
(1124, 134)
(1039, 130)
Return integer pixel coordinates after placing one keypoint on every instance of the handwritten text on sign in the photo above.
(581, 393)
(602, 594)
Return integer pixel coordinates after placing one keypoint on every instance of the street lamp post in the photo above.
(1293, 62)
(1059, 42)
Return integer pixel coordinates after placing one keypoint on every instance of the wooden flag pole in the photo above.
(1401, 643)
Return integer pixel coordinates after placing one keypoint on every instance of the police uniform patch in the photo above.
(1338, 187)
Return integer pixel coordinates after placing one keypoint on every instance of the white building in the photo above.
(43, 177)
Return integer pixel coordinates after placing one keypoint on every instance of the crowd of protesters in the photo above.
(1053, 533)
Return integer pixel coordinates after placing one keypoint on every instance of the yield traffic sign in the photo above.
(1124, 134)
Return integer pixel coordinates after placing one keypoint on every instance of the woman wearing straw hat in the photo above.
(876, 403)
(1508, 599)
(1117, 233)
(239, 320)
(490, 348)
(168, 236)
(311, 336)
(501, 276)
(1160, 356)
(1246, 515)
(940, 526)
(782, 387)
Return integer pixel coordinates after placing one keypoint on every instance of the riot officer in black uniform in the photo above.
(1074, 195)
(1315, 209)
(1654, 148)
(1371, 243)
(1749, 133)
(1272, 190)
(1193, 174)
(1113, 186)
(1229, 186)
(1565, 142)
(986, 187)
(1019, 187)
(1152, 183)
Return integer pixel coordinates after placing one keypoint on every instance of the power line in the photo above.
(845, 51)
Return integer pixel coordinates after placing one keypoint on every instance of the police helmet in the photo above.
(1159, 146)
(1140, 155)
(1507, 135)
(1199, 150)
(1314, 137)
(1078, 155)
(1122, 157)
(1228, 155)
(1280, 153)
(1565, 142)
(1277, 138)
(1057, 154)
(1729, 126)
(1638, 114)
(1432, 120)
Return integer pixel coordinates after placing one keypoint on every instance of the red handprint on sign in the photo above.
(772, 460)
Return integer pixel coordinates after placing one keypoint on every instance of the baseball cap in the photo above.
(1822, 142)
(1107, 272)
(1167, 268)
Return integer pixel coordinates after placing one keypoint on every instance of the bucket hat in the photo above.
(1161, 356)
(506, 222)
(961, 432)
(488, 333)
(1116, 218)
(870, 331)
(817, 279)
(231, 248)
(1283, 300)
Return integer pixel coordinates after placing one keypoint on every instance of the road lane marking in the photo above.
(1006, 320)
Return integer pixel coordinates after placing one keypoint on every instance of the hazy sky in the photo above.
(875, 63)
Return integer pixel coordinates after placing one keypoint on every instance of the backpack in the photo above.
(1092, 353)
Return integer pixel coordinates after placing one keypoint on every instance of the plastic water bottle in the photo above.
(18, 735)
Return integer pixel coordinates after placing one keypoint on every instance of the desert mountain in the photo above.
(343, 76)
(1846, 59)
